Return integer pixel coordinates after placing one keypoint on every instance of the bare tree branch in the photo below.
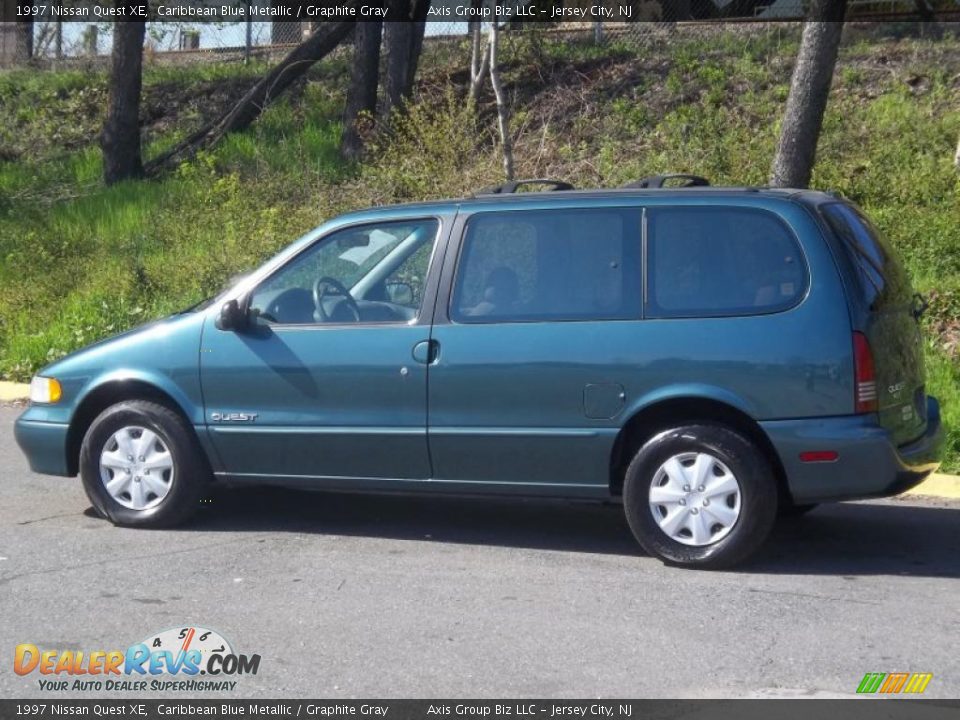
(503, 113)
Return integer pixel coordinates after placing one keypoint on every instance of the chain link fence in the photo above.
(50, 44)
(47, 43)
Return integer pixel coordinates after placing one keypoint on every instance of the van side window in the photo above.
(538, 265)
(706, 261)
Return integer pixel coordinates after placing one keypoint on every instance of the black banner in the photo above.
(194, 11)
(765, 709)
(504, 11)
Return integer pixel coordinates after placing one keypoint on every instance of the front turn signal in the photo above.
(45, 390)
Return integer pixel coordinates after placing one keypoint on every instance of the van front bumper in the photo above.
(869, 464)
(44, 443)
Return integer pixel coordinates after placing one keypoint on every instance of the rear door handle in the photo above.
(426, 352)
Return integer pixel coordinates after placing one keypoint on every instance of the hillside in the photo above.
(79, 261)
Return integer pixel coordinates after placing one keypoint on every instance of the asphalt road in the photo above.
(363, 596)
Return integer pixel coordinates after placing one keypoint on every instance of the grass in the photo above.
(79, 261)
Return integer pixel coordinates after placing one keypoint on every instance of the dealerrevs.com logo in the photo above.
(186, 659)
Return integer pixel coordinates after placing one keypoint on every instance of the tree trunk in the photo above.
(120, 139)
(290, 69)
(23, 39)
(503, 113)
(809, 89)
(419, 15)
(929, 27)
(956, 157)
(362, 93)
(397, 37)
(396, 41)
(248, 108)
(479, 60)
(677, 10)
(403, 42)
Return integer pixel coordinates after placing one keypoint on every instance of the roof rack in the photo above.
(514, 185)
(660, 181)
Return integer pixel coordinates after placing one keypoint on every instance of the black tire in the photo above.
(791, 510)
(191, 472)
(758, 495)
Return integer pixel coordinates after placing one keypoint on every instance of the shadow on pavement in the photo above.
(889, 538)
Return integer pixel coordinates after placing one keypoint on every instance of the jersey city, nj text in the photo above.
(620, 12)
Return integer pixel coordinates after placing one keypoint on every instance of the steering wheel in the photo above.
(320, 288)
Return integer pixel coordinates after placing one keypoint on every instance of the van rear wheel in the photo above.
(142, 466)
(700, 496)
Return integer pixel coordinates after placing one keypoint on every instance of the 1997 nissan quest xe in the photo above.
(710, 355)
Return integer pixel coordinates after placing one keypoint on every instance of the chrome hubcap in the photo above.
(695, 499)
(136, 468)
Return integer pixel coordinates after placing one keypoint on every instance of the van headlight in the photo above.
(45, 390)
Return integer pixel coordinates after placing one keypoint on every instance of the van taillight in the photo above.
(865, 376)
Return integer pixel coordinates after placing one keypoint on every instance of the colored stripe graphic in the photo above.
(918, 682)
(871, 682)
(893, 683)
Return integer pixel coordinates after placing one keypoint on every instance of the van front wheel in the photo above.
(700, 496)
(142, 466)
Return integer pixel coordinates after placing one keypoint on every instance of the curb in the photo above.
(13, 391)
(937, 486)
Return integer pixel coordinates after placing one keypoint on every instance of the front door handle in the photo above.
(426, 352)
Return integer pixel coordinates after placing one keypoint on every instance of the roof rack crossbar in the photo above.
(660, 181)
(512, 186)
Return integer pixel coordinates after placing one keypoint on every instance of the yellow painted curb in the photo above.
(943, 486)
(13, 391)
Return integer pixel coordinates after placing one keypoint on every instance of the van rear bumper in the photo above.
(869, 464)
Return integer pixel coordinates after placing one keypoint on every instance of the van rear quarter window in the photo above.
(881, 279)
(713, 261)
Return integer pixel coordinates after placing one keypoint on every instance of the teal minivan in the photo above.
(711, 357)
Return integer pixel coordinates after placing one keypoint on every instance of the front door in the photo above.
(323, 384)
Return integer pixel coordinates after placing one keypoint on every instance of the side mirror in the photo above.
(400, 293)
(232, 316)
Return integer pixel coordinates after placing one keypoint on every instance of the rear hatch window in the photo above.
(884, 290)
